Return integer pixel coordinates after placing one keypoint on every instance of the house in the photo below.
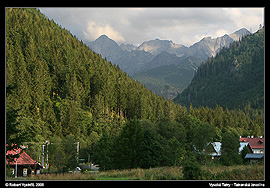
(251, 157)
(243, 144)
(214, 149)
(25, 164)
(256, 143)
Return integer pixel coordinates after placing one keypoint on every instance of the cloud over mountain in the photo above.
(94, 30)
(135, 25)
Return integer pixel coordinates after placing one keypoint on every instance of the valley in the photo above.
(160, 55)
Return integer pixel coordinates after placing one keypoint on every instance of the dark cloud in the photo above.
(135, 25)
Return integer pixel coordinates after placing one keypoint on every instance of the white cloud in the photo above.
(94, 30)
(220, 33)
(135, 25)
(249, 18)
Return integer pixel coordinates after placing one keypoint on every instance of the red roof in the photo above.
(24, 158)
(254, 142)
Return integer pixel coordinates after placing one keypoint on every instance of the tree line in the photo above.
(143, 144)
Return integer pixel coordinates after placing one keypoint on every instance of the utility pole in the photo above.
(77, 157)
(89, 164)
(42, 157)
(16, 168)
(47, 156)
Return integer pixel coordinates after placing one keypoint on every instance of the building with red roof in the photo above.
(25, 164)
(256, 143)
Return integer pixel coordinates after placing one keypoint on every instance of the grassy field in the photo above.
(240, 172)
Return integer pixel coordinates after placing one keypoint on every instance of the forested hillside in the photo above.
(60, 87)
(233, 79)
(55, 74)
(60, 91)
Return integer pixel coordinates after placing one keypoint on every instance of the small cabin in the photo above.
(26, 166)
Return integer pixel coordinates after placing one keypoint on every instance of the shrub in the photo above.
(191, 168)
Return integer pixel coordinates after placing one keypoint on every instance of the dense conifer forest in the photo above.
(234, 78)
(59, 91)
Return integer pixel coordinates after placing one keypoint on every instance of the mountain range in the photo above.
(155, 57)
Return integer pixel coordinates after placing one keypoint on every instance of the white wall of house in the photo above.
(260, 150)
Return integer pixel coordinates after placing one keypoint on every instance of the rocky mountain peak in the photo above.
(103, 37)
(106, 47)
(238, 34)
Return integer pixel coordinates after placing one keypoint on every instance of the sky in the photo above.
(136, 25)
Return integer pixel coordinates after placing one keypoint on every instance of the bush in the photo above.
(191, 168)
